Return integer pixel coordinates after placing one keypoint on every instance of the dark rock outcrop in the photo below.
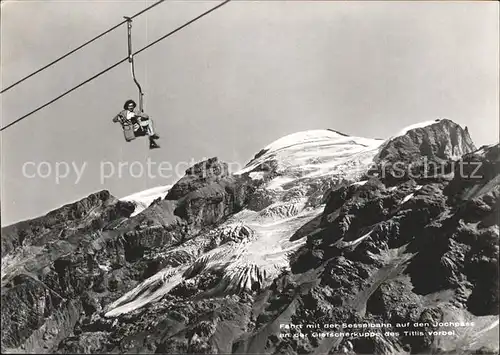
(88, 214)
(442, 140)
(422, 154)
(208, 193)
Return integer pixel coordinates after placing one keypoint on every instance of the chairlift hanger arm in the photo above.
(131, 61)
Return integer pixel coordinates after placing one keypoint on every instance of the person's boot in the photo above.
(153, 144)
(155, 136)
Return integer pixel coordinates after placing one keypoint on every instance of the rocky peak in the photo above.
(208, 168)
(423, 151)
(441, 139)
(97, 209)
(197, 176)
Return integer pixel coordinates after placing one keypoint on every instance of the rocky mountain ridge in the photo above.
(319, 228)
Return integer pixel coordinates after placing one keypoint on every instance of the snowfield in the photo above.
(262, 252)
(144, 198)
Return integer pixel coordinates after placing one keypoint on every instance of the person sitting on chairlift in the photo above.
(141, 122)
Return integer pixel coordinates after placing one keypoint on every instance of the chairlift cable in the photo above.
(114, 65)
(78, 48)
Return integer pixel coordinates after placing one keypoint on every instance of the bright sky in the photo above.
(228, 85)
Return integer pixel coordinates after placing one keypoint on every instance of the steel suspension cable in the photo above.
(115, 65)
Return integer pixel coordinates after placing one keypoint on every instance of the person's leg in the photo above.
(152, 133)
(147, 124)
